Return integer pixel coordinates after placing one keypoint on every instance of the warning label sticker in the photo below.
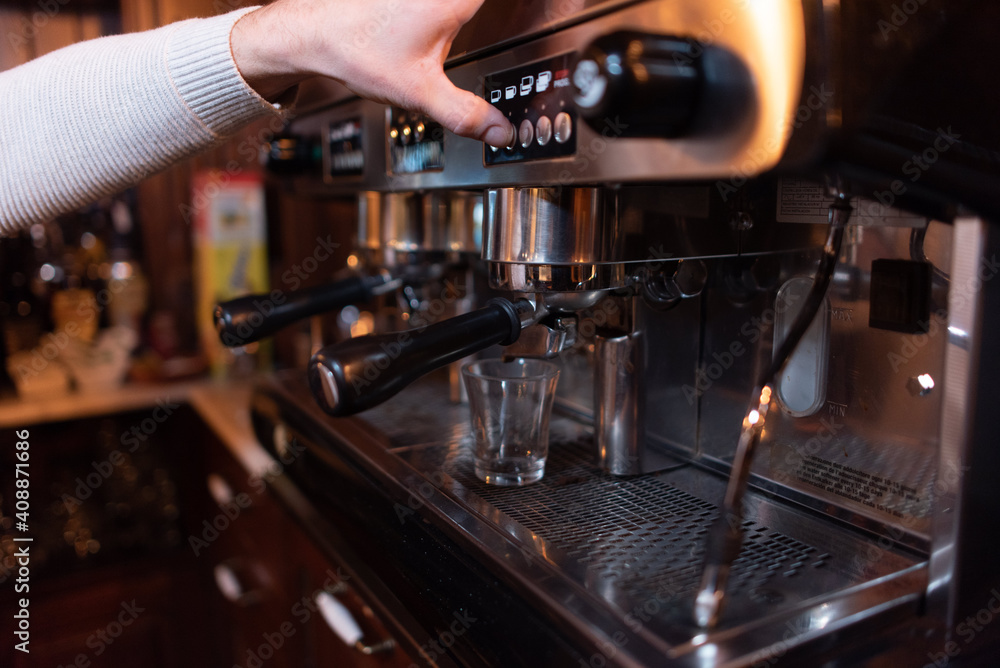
(801, 201)
(883, 494)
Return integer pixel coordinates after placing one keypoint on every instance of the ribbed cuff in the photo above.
(200, 62)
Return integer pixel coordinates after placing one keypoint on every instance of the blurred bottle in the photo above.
(127, 284)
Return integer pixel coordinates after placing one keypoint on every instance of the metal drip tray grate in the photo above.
(620, 558)
(642, 535)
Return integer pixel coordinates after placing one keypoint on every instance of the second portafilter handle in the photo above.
(253, 317)
(357, 374)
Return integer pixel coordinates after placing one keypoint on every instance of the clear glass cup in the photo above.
(510, 404)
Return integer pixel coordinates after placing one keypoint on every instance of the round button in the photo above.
(418, 132)
(526, 133)
(408, 134)
(543, 131)
(513, 141)
(563, 127)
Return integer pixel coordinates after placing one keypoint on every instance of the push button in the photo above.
(526, 133)
(513, 142)
(563, 127)
(543, 130)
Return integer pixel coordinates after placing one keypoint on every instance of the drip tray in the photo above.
(636, 544)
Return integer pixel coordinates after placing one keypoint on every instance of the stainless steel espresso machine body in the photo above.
(774, 442)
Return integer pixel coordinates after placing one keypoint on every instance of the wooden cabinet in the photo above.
(110, 579)
(131, 616)
(276, 593)
(239, 582)
(241, 541)
(325, 592)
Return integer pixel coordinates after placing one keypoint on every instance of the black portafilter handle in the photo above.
(357, 374)
(253, 317)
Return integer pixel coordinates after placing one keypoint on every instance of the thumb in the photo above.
(465, 113)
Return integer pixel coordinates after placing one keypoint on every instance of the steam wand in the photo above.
(725, 536)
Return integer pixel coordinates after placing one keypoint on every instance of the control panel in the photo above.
(415, 142)
(631, 96)
(538, 100)
(345, 148)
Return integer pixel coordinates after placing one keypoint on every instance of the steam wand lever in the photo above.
(725, 536)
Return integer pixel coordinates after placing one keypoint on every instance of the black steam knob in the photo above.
(649, 85)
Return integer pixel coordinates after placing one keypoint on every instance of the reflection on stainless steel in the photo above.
(543, 340)
(428, 225)
(590, 542)
(631, 541)
(402, 223)
(618, 423)
(948, 551)
(571, 301)
(369, 237)
(552, 226)
(801, 387)
(727, 533)
(453, 222)
(558, 278)
(666, 305)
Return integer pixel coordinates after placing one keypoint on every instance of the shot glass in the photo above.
(510, 404)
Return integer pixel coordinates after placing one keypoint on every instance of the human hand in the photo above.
(390, 51)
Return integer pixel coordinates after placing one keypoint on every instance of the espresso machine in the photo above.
(762, 253)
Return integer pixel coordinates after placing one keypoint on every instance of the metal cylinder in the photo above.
(619, 429)
(452, 221)
(554, 239)
(369, 236)
(402, 222)
(552, 226)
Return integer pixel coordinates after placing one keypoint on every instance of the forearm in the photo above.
(97, 117)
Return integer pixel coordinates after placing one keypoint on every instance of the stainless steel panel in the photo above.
(578, 226)
(369, 237)
(619, 422)
(500, 22)
(635, 545)
(766, 38)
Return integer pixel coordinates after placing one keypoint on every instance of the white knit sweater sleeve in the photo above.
(94, 118)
